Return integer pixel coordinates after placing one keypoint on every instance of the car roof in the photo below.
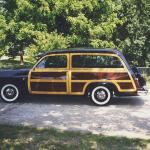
(82, 50)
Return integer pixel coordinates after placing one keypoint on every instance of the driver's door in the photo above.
(50, 75)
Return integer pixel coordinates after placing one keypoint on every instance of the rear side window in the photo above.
(97, 61)
(59, 61)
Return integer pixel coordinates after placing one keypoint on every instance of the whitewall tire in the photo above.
(101, 95)
(9, 93)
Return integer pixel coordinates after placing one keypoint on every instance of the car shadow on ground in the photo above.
(79, 100)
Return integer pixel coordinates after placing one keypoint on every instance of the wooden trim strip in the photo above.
(47, 80)
(107, 70)
(43, 92)
(89, 81)
(50, 70)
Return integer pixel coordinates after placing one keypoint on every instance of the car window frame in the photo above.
(95, 54)
(47, 69)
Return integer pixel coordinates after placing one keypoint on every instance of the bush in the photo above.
(45, 42)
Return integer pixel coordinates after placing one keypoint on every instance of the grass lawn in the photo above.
(148, 80)
(14, 64)
(20, 138)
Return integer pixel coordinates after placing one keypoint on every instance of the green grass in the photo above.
(148, 79)
(20, 138)
(14, 64)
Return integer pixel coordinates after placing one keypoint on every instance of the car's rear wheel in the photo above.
(9, 93)
(101, 95)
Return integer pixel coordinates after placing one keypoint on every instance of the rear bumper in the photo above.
(142, 91)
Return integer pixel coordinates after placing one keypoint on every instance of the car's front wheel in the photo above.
(101, 95)
(9, 93)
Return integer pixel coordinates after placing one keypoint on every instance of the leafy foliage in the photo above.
(37, 26)
(134, 35)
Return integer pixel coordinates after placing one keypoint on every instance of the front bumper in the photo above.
(142, 91)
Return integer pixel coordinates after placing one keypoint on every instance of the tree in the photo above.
(34, 26)
(26, 29)
(133, 36)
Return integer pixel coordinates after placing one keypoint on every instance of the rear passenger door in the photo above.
(50, 75)
(93, 68)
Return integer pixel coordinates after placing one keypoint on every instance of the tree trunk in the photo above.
(21, 58)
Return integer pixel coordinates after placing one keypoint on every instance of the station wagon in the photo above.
(98, 74)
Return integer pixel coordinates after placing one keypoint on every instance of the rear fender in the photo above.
(111, 87)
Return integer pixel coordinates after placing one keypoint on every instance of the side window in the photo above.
(58, 61)
(98, 61)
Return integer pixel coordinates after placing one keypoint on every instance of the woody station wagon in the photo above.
(97, 73)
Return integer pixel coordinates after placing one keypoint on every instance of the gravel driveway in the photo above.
(128, 116)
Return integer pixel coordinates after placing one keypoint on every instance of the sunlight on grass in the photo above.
(18, 137)
(13, 64)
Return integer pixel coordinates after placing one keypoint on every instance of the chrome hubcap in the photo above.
(10, 92)
(101, 95)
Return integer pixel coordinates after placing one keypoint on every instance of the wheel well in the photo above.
(9, 82)
(20, 85)
(111, 86)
